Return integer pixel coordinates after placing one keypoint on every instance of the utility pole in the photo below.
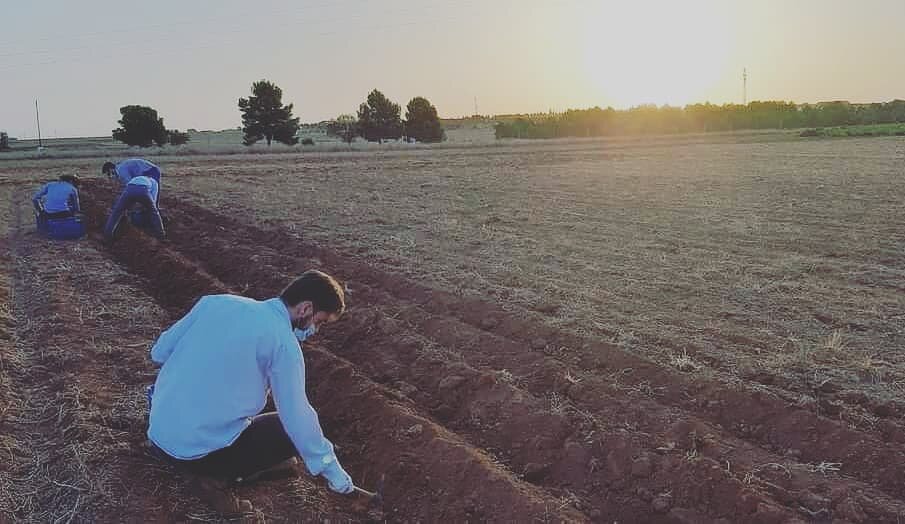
(476, 106)
(745, 86)
(38, 118)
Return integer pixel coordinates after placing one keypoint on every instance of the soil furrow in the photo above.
(262, 235)
(432, 474)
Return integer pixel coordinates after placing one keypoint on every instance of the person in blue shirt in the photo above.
(218, 364)
(58, 199)
(139, 190)
(131, 168)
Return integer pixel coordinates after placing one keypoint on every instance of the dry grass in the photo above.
(835, 342)
(684, 362)
(747, 254)
(69, 423)
(762, 256)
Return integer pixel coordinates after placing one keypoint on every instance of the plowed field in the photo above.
(673, 333)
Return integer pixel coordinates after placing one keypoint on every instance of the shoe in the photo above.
(286, 469)
(219, 497)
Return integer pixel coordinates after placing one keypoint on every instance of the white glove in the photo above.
(339, 480)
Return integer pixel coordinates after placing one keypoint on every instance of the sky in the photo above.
(192, 59)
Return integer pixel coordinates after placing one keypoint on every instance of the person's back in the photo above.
(134, 167)
(58, 197)
(215, 377)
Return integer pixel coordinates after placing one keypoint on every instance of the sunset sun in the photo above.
(662, 53)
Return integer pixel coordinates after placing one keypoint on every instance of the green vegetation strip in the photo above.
(865, 130)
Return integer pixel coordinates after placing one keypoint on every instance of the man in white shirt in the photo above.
(218, 364)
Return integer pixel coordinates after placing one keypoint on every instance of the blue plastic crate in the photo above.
(62, 228)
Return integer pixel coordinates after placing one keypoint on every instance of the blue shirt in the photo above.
(150, 183)
(58, 197)
(218, 363)
(129, 169)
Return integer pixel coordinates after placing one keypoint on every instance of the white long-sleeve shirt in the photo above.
(218, 363)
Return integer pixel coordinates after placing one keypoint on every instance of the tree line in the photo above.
(265, 117)
(650, 119)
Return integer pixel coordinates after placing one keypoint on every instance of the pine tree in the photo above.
(378, 118)
(265, 117)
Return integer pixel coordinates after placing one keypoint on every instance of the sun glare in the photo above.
(661, 52)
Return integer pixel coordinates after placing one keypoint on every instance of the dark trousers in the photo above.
(59, 214)
(262, 445)
(132, 195)
(41, 217)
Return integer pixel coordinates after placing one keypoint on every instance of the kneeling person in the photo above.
(58, 199)
(218, 363)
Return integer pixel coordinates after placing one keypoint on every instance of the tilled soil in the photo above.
(472, 412)
(475, 414)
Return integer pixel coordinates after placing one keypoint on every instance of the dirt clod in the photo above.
(451, 382)
(828, 386)
(885, 409)
(642, 467)
(850, 509)
(489, 322)
(661, 503)
(538, 344)
(813, 501)
(535, 472)
(686, 516)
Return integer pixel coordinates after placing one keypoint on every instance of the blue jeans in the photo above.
(130, 196)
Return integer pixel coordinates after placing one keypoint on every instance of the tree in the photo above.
(265, 116)
(4, 141)
(422, 122)
(140, 126)
(176, 138)
(345, 127)
(379, 119)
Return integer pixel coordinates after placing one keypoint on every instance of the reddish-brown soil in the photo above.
(472, 408)
(475, 414)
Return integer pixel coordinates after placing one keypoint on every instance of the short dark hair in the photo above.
(318, 287)
(108, 168)
(72, 179)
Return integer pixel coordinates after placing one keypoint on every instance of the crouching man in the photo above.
(131, 168)
(142, 191)
(218, 363)
(58, 199)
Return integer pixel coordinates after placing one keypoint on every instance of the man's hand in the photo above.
(339, 480)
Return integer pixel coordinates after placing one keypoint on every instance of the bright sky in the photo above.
(192, 59)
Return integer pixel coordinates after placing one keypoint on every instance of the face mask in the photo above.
(302, 334)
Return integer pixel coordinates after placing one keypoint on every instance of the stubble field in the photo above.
(675, 332)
